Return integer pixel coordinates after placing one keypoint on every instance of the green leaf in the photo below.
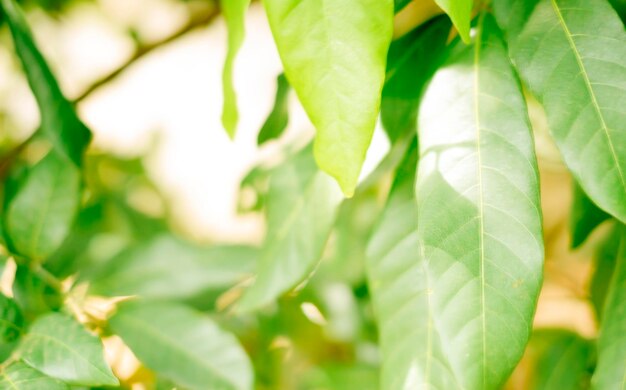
(61, 348)
(460, 12)
(59, 123)
(335, 376)
(572, 56)
(411, 61)
(183, 345)
(398, 5)
(479, 218)
(334, 55)
(301, 208)
(611, 369)
(33, 294)
(276, 122)
(11, 323)
(234, 12)
(560, 360)
(167, 267)
(19, 376)
(39, 215)
(604, 261)
(585, 216)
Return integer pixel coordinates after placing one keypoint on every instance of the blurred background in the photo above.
(146, 76)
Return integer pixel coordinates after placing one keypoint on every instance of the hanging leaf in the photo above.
(19, 376)
(572, 55)
(59, 123)
(460, 11)
(334, 56)
(61, 348)
(301, 208)
(234, 12)
(183, 345)
(276, 122)
(611, 369)
(411, 61)
(585, 216)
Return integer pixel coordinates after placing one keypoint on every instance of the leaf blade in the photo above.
(460, 12)
(19, 376)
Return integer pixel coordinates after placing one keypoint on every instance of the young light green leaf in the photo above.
(572, 55)
(478, 217)
(59, 123)
(277, 121)
(19, 376)
(40, 213)
(560, 360)
(167, 267)
(183, 345)
(61, 348)
(334, 55)
(411, 61)
(460, 12)
(234, 12)
(301, 208)
(585, 216)
(610, 372)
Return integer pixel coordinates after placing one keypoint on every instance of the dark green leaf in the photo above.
(61, 348)
(572, 55)
(59, 123)
(411, 61)
(277, 121)
(585, 216)
(604, 265)
(19, 376)
(399, 5)
(33, 294)
(11, 323)
(183, 345)
(167, 267)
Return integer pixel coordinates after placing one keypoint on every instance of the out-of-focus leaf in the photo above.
(398, 5)
(604, 266)
(61, 348)
(611, 369)
(183, 345)
(512, 15)
(167, 267)
(560, 360)
(460, 11)
(334, 55)
(59, 123)
(620, 8)
(585, 216)
(253, 190)
(301, 209)
(39, 215)
(33, 294)
(411, 61)
(11, 323)
(277, 121)
(335, 377)
(19, 376)
(572, 55)
(234, 12)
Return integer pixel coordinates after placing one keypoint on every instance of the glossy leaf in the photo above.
(61, 348)
(611, 369)
(301, 206)
(183, 345)
(276, 122)
(19, 376)
(479, 218)
(167, 267)
(234, 12)
(460, 12)
(334, 56)
(585, 216)
(59, 123)
(411, 61)
(39, 215)
(572, 55)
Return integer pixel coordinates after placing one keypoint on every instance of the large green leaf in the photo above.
(572, 55)
(585, 216)
(560, 360)
(411, 61)
(19, 376)
(61, 348)
(277, 120)
(167, 267)
(610, 372)
(40, 213)
(479, 218)
(183, 345)
(334, 55)
(234, 12)
(301, 206)
(59, 123)
(460, 11)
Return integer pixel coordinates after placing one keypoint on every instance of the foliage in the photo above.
(435, 259)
